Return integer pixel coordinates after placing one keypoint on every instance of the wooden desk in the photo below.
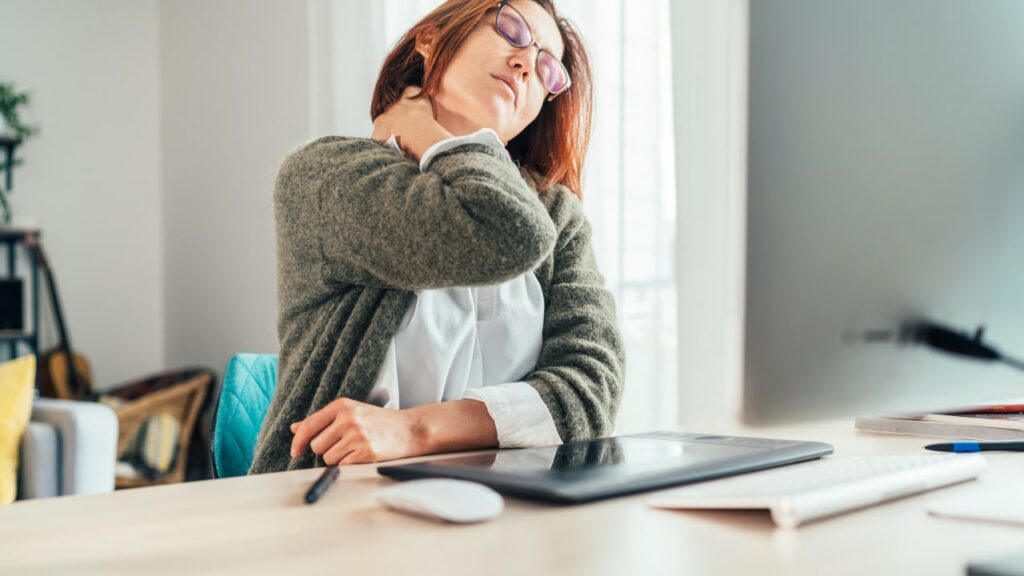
(260, 525)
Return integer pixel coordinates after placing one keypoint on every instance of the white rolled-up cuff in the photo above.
(520, 416)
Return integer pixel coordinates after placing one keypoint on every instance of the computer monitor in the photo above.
(885, 189)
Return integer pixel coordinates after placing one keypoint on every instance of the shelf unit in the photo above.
(9, 144)
(11, 237)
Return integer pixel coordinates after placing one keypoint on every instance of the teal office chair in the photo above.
(246, 389)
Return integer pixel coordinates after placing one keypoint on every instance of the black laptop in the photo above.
(589, 470)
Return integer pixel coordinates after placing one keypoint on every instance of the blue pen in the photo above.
(972, 446)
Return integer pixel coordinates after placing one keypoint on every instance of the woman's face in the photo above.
(472, 94)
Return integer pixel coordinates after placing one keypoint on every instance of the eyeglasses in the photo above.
(511, 26)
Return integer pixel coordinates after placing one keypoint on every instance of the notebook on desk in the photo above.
(967, 426)
(589, 470)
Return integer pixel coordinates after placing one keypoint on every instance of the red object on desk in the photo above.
(996, 409)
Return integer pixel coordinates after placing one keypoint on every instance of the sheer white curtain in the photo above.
(629, 184)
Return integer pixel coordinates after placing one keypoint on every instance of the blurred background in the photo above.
(162, 124)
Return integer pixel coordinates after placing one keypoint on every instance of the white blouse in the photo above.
(474, 342)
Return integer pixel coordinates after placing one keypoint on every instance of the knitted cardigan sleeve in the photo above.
(371, 218)
(579, 375)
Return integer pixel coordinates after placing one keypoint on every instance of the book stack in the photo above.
(996, 422)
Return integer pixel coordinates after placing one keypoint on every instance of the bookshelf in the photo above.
(11, 239)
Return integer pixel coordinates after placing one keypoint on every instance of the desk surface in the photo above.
(260, 525)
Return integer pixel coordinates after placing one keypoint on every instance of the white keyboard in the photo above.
(802, 492)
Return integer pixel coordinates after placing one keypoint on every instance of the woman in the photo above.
(437, 286)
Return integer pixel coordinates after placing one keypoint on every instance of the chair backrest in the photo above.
(247, 387)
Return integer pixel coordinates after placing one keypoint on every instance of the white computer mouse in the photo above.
(450, 500)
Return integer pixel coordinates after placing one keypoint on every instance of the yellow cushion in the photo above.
(17, 383)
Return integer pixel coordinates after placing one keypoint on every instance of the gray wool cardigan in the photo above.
(360, 229)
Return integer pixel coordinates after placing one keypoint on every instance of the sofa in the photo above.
(68, 448)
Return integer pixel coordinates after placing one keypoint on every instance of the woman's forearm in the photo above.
(453, 426)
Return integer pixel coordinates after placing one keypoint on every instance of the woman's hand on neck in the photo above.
(412, 122)
(419, 124)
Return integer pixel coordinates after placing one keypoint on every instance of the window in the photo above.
(629, 186)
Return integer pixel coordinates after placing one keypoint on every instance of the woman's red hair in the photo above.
(554, 145)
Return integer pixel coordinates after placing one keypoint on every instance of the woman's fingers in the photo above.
(356, 457)
(328, 437)
(350, 432)
(338, 452)
(309, 428)
(381, 132)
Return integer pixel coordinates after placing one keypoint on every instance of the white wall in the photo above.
(236, 100)
(709, 59)
(163, 125)
(347, 49)
(91, 179)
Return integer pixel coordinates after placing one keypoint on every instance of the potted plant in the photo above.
(11, 125)
(12, 132)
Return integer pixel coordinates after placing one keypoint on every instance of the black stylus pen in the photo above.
(971, 446)
(318, 488)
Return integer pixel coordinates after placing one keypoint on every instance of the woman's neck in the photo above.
(454, 122)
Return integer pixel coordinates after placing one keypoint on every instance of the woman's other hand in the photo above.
(350, 432)
(412, 122)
